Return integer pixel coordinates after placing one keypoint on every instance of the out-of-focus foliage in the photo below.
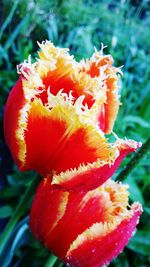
(80, 25)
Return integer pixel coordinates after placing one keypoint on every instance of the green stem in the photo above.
(50, 261)
(134, 161)
(60, 264)
(20, 209)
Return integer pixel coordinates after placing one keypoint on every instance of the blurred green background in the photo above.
(124, 26)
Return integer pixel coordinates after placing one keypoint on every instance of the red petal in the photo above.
(57, 140)
(92, 206)
(66, 222)
(109, 109)
(52, 210)
(93, 177)
(15, 103)
(44, 138)
(99, 251)
(65, 75)
(48, 207)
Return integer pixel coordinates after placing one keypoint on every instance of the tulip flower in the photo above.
(57, 114)
(84, 229)
(55, 122)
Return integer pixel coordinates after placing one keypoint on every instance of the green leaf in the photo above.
(134, 190)
(15, 33)
(9, 17)
(137, 120)
(3, 53)
(147, 210)
(140, 243)
(121, 260)
(5, 211)
(16, 240)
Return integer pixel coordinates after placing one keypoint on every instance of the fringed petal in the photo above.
(111, 106)
(59, 139)
(101, 243)
(100, 66)
(90, 176)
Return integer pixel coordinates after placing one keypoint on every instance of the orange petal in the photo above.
(59, 139)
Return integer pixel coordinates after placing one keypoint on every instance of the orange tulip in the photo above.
(56, 116)
(84, 229)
